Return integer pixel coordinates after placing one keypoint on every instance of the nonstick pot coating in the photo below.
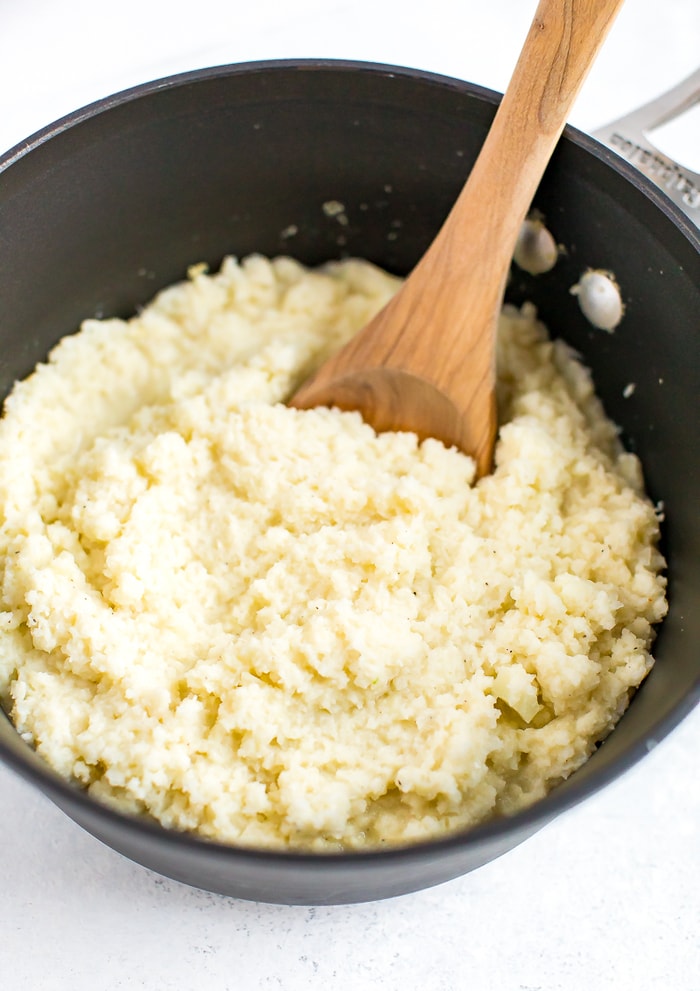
(103, 209)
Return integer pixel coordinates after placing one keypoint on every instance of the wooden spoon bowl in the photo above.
(426, 362)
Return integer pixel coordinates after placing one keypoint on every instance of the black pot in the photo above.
(109, 205)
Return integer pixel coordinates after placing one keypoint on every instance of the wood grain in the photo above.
(426, 362)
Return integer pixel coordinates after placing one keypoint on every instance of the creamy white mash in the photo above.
(279, 629)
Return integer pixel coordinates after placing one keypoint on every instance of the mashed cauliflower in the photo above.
(279, 629)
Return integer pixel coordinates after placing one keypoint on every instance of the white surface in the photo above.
(605, 897)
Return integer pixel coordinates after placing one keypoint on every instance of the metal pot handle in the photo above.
(629, 137)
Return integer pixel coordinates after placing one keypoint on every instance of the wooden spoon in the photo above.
(426, 362)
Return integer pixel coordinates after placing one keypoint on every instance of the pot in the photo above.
(114, 202)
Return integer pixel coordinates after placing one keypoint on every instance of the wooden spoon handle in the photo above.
(564, 39)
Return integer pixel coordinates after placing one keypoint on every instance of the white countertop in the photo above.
(608, 895)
